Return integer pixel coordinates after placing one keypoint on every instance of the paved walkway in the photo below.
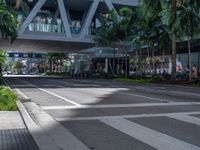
(13, 133)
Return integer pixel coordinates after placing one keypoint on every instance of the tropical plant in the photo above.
(56, 61)
(18, 66)
(188, 13)
(149, 29)
(9, 10)
(106, 34)
(2, 60)
(115, 30)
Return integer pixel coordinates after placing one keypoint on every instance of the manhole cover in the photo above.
(25, 100)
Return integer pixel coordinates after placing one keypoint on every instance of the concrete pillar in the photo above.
(106, 65)
(64, 17)
(89, 18)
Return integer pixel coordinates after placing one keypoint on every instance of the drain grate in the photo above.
(25, 100)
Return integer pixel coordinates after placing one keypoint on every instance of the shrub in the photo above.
(7, 99)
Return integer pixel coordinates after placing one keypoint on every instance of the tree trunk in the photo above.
(114, 70)
(174, 42)
(153, 62)
(174, 57)
(148, 55)
(17, 4)
(50, 64)
(189, 57)
(189, 49)
(126, 63)
(140, 62)
(163, 59)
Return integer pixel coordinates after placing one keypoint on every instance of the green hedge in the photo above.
(134, 80)
(7, 99)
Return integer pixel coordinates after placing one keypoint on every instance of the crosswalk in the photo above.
(149, 136)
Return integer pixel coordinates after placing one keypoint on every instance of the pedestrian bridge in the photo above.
(61, 25)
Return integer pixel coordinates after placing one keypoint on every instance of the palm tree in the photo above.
(189, 13)
(106, 34)
(173, 20)
(149, 26)
(171, 10)
(115, 30)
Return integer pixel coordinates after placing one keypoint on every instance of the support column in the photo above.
(89, 18)
(55, 16)
(65, 20)
(106, 65)
(109, 4)
(30, 17)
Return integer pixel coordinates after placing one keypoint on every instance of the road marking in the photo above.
(63, 98)
(151, 98)
(124, 116)
(186, 118)
(62, 137)
(151, 137)
(56, 95)
(136, 95)
(120, 105)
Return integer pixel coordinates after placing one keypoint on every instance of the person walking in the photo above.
(194, 72)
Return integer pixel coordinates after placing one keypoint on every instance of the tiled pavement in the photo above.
(16, 139)
(13, 133)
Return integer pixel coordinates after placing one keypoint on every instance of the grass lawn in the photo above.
(134, 80)
(7, 99)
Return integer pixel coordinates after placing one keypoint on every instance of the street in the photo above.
(109, 115)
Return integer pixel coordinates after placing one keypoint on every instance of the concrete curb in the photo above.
(41, 139)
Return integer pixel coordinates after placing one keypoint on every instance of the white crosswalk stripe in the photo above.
(151, 137)
(186, 118)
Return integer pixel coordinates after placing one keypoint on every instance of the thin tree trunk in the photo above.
(126, 64)
(174, 57)
(17, 4)
(50, 64)
(153, 63)
(189, 49)
(114, 70)
(163, 59)
(174, 42)
(189, 57)
(140, 62)
(148, 55)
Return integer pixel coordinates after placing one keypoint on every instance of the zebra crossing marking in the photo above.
(151, 137)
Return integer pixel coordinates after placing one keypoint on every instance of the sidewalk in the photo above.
(13, 133)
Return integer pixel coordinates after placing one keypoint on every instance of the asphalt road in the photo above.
(108, 115)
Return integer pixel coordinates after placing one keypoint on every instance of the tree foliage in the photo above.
(154, 23)
(9, 10)
(2, 61)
